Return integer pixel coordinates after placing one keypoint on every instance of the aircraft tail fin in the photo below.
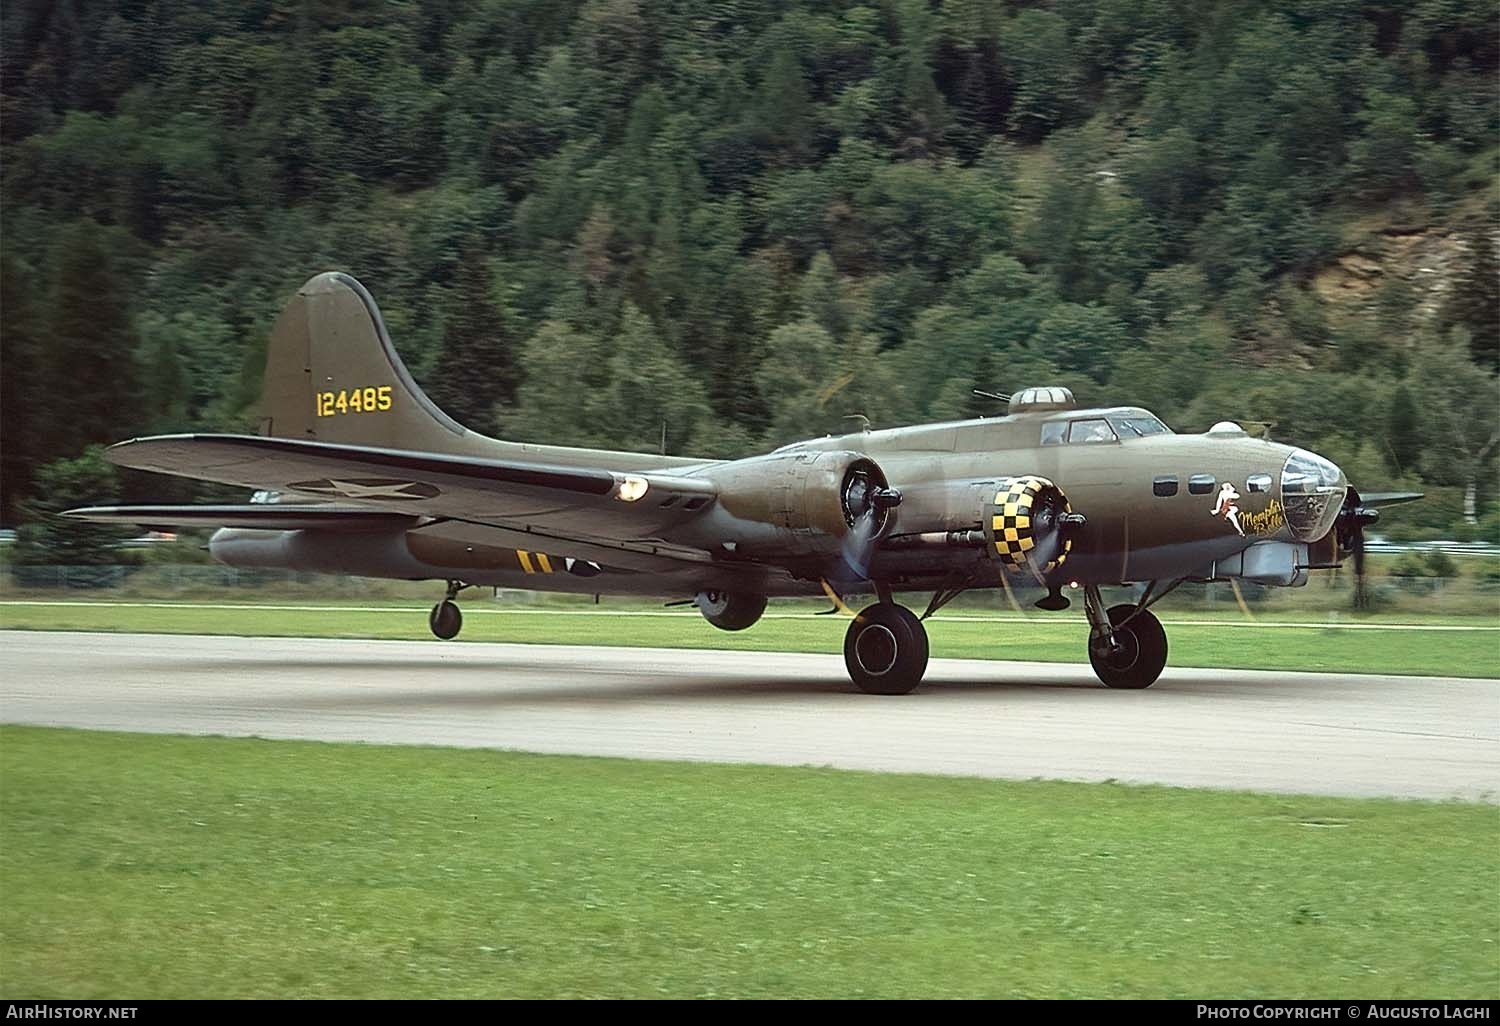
(332, 375)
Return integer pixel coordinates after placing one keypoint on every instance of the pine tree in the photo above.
(1403, 433)
(1476, 302)
(784, 105)
(564, 369)
(821, 297)
(90, 344)
(648, 386)
(476, 367)
(166, 386)
(20, 421)
(927, 114)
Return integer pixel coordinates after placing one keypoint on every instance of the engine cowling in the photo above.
(802, 503)
(1029, 525)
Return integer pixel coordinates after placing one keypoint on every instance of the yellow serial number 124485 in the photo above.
(354, 400)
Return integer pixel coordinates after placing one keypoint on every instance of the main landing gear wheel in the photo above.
(730, 610)
(885, 650)
(445, 620)
(1140, 650)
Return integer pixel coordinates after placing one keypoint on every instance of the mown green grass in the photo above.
(1426, 652)
(167, 867)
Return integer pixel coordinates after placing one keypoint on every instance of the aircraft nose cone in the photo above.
(1312, 493)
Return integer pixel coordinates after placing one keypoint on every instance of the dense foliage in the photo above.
(47, 540)
(748, 219)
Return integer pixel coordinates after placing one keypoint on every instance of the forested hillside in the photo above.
(749, 219)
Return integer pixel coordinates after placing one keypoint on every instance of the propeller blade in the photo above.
(858, 549)
(1361, 586)
(868, 503)
(1375, 500)
(1046, 550)
(1356, 514)
(1010, 596)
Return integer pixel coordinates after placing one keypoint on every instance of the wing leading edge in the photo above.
(267, 516)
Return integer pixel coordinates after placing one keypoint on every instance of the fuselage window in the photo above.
(1258, 482)
(1052, 434)
(1164, 485)
(1201, 484)
(1086, 432)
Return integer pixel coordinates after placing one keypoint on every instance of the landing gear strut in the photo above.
(445, 619)
(885, 649)
(1127, 645)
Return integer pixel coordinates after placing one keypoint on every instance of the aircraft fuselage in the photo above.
(1154, 508)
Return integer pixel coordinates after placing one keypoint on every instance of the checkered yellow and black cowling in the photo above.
(1011, 523)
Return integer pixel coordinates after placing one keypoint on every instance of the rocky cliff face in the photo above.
(1426, 258)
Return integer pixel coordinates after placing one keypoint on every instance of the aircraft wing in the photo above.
(611, 507)
(269, 516)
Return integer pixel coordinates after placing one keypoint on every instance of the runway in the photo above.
(1310, 733)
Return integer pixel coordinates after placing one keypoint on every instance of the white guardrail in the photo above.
(1452, 548)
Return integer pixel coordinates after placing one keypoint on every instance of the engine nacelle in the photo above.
(799, 503)
(1029, 525)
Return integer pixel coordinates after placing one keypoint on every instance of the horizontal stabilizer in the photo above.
(268, 516)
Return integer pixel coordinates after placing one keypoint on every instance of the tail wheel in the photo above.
(1140, 653)
(445, 620)
(885, 650)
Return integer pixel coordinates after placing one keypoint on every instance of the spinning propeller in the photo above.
(867, 502)
(1349, 529)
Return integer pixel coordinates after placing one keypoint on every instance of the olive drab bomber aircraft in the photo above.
(355, 471)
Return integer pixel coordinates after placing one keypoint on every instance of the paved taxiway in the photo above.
(1430, 737)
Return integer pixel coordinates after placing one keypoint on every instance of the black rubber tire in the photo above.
(730, 610)
(445, 620)
(1142, 654)
(919, 631)
(885, 650)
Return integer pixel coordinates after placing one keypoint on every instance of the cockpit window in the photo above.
(1088, 431)
(1138, 425)
(1054, 431)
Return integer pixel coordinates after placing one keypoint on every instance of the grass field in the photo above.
(1227, 643)
(168, 867)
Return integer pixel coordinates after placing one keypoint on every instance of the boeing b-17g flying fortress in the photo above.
(356, 471)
